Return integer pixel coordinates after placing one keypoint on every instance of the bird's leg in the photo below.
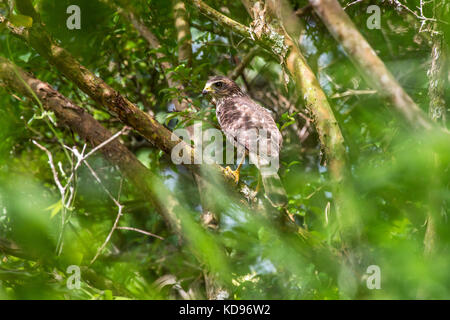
(258, 185)
(236, 173)
(238, 170)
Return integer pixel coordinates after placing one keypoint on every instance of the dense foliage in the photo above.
(398, 176)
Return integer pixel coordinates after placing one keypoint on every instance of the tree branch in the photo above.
(236, 72)
(364, 57)
(437, 112)
(38, 38)
(183, 32)
(436, 75)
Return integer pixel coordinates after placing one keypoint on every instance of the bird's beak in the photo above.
(207, 89)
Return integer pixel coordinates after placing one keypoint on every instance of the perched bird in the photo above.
(250, 126)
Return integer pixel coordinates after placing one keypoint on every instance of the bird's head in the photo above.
(219, 87)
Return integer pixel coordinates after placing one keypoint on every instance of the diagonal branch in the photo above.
(370, 65)
(38, 38)
(246, 60)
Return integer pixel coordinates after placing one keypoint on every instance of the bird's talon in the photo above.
(235, 174)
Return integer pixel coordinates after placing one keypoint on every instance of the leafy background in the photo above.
(399, 175)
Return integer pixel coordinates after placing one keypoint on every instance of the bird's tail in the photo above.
(273, 188)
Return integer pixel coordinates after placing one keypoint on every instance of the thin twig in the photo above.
(52, 166)
(62, 191)
(352, 3)
(67, 191)
(101, 145)
(141, 231)
(420, 16)
(300, 12)
(351, 92)
(119, 214)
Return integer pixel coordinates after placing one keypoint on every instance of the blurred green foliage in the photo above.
(401, 177)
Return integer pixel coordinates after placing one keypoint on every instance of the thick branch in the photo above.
(437, 113)
(183, 32)
(436, 75)
(102, 93)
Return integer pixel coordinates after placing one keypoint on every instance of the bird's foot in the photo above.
(234, 174)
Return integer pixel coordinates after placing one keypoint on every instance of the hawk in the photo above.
(251, 127)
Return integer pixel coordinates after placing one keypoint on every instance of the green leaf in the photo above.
(2, 26)
(130, 45)
(287, 124)
(108, 295)
(56, 208)
(20, 20)
(293, 163)
(25, 57)
(161, 117)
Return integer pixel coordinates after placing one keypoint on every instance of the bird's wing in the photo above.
(240, 118)
(246, 123)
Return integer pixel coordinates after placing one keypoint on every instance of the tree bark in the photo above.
(183, 32)
(436, 75)
(437, 113)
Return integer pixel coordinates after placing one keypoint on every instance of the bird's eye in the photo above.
(218, 84)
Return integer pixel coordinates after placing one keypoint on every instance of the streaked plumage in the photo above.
(246, 123)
